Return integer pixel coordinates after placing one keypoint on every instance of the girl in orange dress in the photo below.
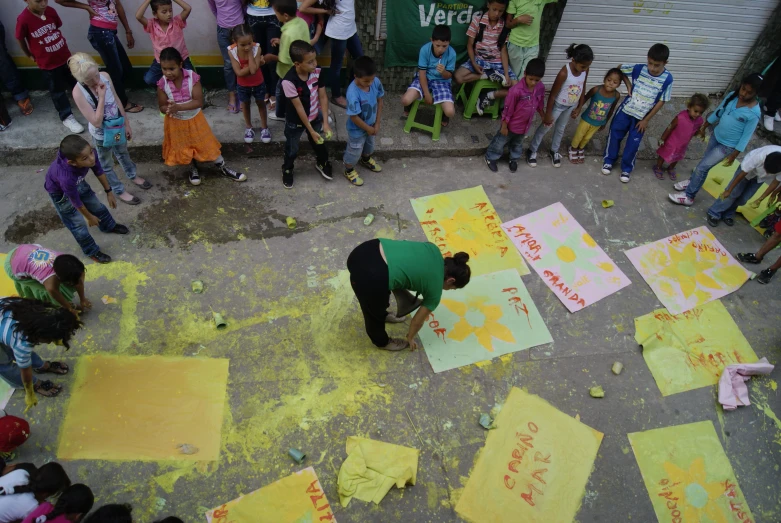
(188, 137)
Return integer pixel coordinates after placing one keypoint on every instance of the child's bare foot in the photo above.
(47, 388)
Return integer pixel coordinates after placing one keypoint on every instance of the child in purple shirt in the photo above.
(71, 195)
(523, 99)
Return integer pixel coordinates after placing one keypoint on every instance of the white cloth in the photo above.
(15, 507)
(14, 479)
(732, 384)
(341, 26)
(572, 88)
(753, 164)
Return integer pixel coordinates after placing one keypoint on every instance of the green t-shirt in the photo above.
(295, 29)
(415, 266)
(527, 35)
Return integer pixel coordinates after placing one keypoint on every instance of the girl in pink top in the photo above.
(165, 30)
(47, 275)
(72, 505)
(675, 139)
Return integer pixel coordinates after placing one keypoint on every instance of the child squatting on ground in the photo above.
(436, 63)
(675, 139)
(247, 60)
(523, 99)
(76, 204)
(165, 30)
(72, 505)
(603, 100)
(187, 136)
(565, 95)
(364, 109)
(305, 104)
(651, 86)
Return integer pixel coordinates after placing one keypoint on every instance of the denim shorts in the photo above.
(357, 146)
(247, 93)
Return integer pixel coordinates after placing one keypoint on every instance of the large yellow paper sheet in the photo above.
(145, 408)
(534, 466)
(466, 221)
(373, 467)
(298, 498)
(718, 180)
(688, 476)
(7, 287)
(688, 269)
(690, 350)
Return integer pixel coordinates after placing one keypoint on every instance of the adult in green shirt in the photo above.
(523, 19)
(378, 267)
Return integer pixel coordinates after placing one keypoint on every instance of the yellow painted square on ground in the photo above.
(466, 221)
(7, 287)
(298, 498)
(145, 408)
(534, 466)
(690, 350)
(688, 476)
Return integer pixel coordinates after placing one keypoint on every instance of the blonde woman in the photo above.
(98, 102)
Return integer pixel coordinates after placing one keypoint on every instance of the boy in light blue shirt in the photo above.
(651, 86)
(364, 109)
(438, 60)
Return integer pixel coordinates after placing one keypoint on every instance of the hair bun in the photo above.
(461, 258)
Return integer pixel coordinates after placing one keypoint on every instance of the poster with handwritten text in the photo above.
(565, 256)
(466, 221)
(296, 498)
(492, 316)
(688, 476)
(534, 466)
(690, 350)
(688, 269)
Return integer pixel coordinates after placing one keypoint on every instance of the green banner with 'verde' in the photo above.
(410, 23)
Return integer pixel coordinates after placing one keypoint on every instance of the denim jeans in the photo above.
(357, 146)
(714, 153)
(224, 40)
(8, 72)
(60, 82)
(739, 196)
(264, 29)
(561, 115)
(10, 372)
(496, 148)
(76, 223)
(118, 65)
(293, 134)
(105, 156)
(155, 72)
(338, 47)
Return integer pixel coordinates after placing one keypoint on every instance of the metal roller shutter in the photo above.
(708, 40)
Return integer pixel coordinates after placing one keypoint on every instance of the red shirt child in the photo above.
(41, 38)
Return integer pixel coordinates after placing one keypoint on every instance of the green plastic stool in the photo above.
(433, 129)
(471, 101)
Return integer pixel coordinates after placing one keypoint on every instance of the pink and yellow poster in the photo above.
(565, 256)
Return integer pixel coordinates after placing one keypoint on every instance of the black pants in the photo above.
(60, 82)
(369, 279)
(774, 100)
(293, 134)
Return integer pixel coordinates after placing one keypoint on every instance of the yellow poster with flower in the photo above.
(688, 476)
(688, 269)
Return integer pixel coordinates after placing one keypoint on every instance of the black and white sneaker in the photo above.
(326, 171)
(555, 158)
(195, 177)
(287, 178)
(233, 175)
(491, 164)
(483, 102)
(766, 275)
(496, 77)
(531, 158)
(624, 177)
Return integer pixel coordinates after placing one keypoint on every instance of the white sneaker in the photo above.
(681, 186)
(606, 168)
(680, 198)
(72, 125)
(778, 117)
(768, 122)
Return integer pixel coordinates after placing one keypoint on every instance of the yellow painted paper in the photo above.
(534, 466)
(466, 221)
(373, 467)
(690, 350)
(719, 179)
(298, 498)
(6, 284)
(688, 269)
(145, 408)
(688, 476)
